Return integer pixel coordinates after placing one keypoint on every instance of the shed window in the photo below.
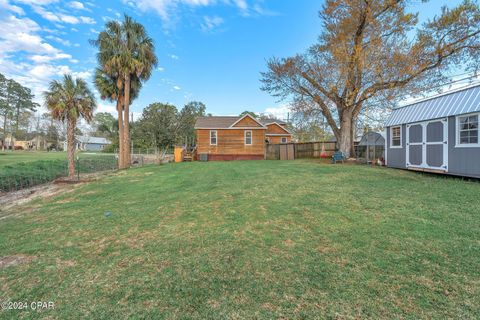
(213, 137)
(468, 129)
(284, 140)
(248, 137)
(396, 137)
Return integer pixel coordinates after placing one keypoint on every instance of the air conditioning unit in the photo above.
(203, 156)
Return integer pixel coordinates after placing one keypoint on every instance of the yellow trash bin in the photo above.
(178, 153)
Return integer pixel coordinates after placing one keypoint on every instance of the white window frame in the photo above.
(245, 138)
(391, 137)
(282, 138)
(457, 132)
(216, 137)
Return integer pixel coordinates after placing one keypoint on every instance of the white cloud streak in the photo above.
(211, 23)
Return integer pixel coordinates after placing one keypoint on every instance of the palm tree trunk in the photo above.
(128, 158)
(71, 148)
(121, 155)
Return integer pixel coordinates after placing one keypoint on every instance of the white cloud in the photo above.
(177, 88)
(76, 5)
(161, 69)
(211, 23)
(103, 106)
(65, 42)
(37, 2)
(259, 10)
(47, 58)
(9, 7)
(37, 76)
(61, 17)
(174, 57)
(87, 20)
(280, 112)
(20, 34)
(46, 72)
(242, 4)
(164, 8)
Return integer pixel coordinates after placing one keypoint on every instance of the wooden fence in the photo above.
(290, 151)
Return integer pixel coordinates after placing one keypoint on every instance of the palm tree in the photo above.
(109, 90)
(126, 53)
(68, 100)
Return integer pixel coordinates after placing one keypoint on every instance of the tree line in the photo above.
(163, 125)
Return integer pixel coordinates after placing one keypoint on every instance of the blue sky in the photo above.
(208, 50)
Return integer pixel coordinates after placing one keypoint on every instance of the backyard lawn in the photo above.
(249, 239)
(15, 157)
(23, 169)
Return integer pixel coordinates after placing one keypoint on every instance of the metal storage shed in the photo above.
(371, 147)
(438, 134)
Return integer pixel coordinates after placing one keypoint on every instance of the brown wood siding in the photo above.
(247, 122)
(232, 157)
(276, 129)
(278, 139)
(231, 142)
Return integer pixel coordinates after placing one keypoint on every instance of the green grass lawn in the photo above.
(252, 239)
(14, 157)
(23, 169)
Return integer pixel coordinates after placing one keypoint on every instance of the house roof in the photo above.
(224, 122)
(449, 104)
(93, 140)
(268, 121)
(215, 122)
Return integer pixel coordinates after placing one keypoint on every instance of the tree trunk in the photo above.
(352, 137)
(344, 138)
(71, 148)
(121, 156)
(4, 131)
(126, 119)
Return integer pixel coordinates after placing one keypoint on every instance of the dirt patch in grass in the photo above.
(65, 263)
(10, 201)
(15, 260)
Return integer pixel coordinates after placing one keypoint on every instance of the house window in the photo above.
(248, 137)
(396, 137)
(213, 137)
(284, 140)
(468, 130)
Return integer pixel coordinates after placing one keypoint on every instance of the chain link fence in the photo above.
(25, 175)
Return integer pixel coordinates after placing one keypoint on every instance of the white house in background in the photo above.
(85, 143)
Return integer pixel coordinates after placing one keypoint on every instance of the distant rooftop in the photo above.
(93, 140)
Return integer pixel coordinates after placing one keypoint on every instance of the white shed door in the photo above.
(427, 145)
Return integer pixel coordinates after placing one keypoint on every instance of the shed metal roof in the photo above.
(453, 103)
(372, 138)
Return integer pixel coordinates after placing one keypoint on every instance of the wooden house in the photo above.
(238, 138)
